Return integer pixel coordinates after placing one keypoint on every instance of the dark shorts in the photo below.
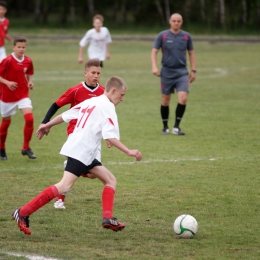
(78, 168)
(169, 85)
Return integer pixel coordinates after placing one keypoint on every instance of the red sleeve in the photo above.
(66, 98)
(30, 69)
(3, 66)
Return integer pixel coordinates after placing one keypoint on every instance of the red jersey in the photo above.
(76, 95)
(4, 25)
(13, 69)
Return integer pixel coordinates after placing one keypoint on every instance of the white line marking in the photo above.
(33, 257)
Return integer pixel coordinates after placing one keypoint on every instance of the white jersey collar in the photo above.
(21, 60)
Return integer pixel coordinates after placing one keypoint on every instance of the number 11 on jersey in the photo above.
(85, 111)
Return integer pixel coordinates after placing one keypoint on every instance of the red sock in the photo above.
(28, 130)
(108, 195)
(3, 132)
(43, 198)
(61, 197)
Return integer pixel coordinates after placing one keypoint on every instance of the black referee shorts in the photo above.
(77, 168)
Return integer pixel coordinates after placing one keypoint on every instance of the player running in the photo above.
(73, 96)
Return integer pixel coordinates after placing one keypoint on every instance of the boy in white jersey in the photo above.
(98, 39)
(96, 119)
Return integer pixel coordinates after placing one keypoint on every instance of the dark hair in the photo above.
(3, 3)
(19, 39)
(92, 63)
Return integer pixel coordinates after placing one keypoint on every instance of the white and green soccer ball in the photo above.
(185, 226)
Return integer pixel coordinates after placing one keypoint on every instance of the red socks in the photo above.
(43, 198)
(3, 132)
(61, 197)
(28, 130)
(108, 195)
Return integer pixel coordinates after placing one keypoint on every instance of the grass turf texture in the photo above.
(211, 173)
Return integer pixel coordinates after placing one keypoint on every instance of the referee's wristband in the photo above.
(194, 71)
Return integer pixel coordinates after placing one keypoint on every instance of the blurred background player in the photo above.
(73, 96)
(16, 72)
(98, 39)
(174, 74)
(4, 25)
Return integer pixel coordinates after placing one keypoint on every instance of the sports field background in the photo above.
(211, 173)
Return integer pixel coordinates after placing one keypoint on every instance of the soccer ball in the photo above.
(185, 226)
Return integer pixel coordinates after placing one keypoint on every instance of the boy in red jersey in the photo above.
(73, 96)
(4, 25)
(16, 71)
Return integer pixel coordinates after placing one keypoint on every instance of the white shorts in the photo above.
(8, 109)
(2, 53)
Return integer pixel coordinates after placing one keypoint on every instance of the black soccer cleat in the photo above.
(29, 153)
(113, 224)
(177, 131)
(22, 222)
(3, 155)
(165, 131)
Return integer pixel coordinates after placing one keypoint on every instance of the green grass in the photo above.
(211, 173)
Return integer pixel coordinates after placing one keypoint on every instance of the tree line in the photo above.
(221, 14)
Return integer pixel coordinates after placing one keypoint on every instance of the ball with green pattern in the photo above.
(185, 226)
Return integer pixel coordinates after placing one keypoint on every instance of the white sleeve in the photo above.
(108, 37)
(110, 128)
(71, 113)
(84, 41)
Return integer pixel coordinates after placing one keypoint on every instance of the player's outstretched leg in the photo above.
(22, 222)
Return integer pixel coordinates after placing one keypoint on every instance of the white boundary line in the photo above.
(56, 75)
(58, 166)
(32, 257)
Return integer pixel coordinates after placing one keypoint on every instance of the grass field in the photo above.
(211, 173)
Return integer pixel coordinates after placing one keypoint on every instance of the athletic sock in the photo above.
(3, 132)
(165, 115)
(43, 198)
(61, 197)
(108, 195)
(180, 109)
(28, 130)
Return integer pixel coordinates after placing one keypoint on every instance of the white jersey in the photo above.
(96, 119)
(97, 43)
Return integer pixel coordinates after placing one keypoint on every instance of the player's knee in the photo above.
(29, 119)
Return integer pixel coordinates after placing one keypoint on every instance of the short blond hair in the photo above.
(92, 63)
(99, 17)
(115, 82)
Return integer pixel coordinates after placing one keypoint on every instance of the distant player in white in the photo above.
(98, 39)
(96, 119)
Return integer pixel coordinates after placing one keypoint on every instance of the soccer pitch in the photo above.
(211, 173)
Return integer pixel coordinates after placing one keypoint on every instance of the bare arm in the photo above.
(9, 38)
(29, 80)
(154, 61)
(192, 65)
(45, 129)
(115, 142)
(80, 57)
(107, 51)
(10, 84)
